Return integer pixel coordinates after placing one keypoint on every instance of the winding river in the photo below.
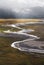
(21, 43)
(30, 38)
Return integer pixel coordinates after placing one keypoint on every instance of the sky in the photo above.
(21, 8)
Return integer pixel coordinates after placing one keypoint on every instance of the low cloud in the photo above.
(6, 14)
(21, 8)
(36, 12)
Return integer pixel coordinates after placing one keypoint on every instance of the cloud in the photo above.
(36, 12)
(23, 8)
(6, 14)
(20, 4)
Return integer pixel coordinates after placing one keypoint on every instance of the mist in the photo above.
(22, 9)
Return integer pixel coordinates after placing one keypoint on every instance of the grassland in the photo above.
(11, 56)
(19, 20)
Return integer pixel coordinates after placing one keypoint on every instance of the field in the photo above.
(19, 20)
(12, 56)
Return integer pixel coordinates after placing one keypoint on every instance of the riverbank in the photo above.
(29, 46)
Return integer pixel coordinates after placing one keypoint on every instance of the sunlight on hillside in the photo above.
(19, 20)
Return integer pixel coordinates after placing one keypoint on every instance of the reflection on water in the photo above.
(11, 56)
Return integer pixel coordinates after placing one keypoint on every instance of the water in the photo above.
(11, 55)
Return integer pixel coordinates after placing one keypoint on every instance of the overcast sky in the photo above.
(24, 8)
